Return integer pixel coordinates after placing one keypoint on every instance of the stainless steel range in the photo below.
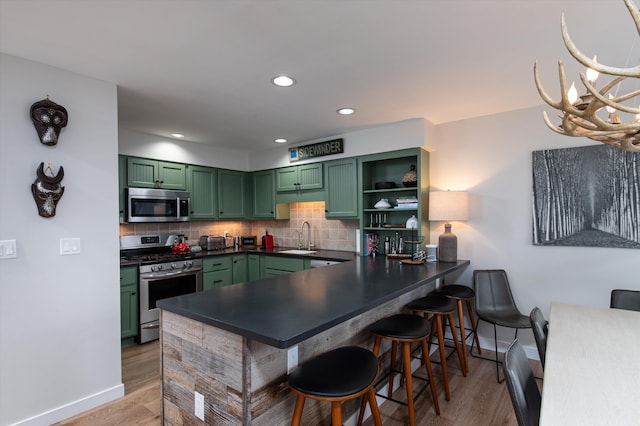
(162, 274)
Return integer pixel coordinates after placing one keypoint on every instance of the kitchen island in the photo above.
(232, 344)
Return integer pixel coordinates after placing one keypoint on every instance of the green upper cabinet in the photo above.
(264, 197)
(299, 178)
(145, 173)
(231, 194)
(341, 189)
(201, 183)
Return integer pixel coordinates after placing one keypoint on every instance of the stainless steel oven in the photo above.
(162, 274)
(160, 281)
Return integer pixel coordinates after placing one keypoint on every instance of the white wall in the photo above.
(491, 158)
(389, 137)
(59, 315)
(143, 145)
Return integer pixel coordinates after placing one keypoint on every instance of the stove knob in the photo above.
(189, 265)
(159, 267)
(173, 266)
(185, 265)
(153, 268)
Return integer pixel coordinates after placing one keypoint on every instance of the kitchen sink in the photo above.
(297, 251)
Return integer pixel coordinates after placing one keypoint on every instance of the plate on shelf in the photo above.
(386, 225)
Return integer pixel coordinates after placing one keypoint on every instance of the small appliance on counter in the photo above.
(180, 246)
(249, 241)
(213, 242)
(267, 241)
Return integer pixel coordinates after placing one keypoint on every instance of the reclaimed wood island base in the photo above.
(231, 344)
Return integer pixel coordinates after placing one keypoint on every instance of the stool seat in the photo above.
(456, 291)
(402, 326)
(433, 303)
(337, 373)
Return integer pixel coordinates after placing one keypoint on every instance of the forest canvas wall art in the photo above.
(586, 196)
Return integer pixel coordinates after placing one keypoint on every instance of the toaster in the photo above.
(212, 242)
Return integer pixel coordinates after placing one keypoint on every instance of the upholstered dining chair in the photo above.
(522, 385)
(495, 305)
(540, 328)
(625, 299)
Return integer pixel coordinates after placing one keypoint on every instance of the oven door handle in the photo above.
(163, 274)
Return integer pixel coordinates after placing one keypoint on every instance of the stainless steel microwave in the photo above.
(157, 205)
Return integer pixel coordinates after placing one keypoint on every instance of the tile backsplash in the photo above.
(325, 234)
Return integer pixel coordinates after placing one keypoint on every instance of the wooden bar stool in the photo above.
(335, 376)
(439, 307)
(404, 329)
(462, 293)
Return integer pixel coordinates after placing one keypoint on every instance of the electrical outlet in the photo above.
(292, 359)
(199, 405)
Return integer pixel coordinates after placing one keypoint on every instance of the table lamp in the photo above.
(448, 206)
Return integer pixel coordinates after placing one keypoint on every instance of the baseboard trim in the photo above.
(73, 408)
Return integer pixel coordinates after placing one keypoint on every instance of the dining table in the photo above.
(592, 366)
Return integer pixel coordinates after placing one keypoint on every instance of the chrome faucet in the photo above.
(299, 238)
(308, 234)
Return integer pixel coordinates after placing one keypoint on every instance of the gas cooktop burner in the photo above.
(155, 258)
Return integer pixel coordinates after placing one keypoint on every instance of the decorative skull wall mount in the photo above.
(48, 118)
(47, 190)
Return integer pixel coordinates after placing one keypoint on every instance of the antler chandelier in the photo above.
(579, 115)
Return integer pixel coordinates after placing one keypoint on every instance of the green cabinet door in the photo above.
(264, 197)
(299, 178)
(310, 176)
(147, 173)
(253, 267)
(142, 172)
(128, 304)
(287, 179)
(231, 196)
(217, 271)
(217, 279)
(341, 189)
(201, 184)
(172, 175)
(239, 268)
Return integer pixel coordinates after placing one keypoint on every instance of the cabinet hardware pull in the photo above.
(217, 264)
(217, 281)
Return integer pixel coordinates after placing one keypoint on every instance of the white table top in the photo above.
(592, 367)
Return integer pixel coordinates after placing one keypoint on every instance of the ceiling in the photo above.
(203, 67)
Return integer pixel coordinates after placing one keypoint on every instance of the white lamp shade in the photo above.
(448, 205)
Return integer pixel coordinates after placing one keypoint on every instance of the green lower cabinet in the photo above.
(253, 267)
(277, 265)
(217, 279)
(128, 304)
(239, 268)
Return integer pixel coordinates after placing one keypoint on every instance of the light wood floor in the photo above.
(475, 400)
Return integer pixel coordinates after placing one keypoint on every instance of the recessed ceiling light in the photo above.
(346, 111)
(280, 140)
(283, 81)
(177, 135)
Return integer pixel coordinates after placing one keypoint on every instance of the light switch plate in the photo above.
(69, 246)
(8, 249)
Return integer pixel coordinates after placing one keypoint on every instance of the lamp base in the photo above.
(447, 245)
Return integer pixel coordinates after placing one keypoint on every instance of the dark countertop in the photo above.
(285, 310)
